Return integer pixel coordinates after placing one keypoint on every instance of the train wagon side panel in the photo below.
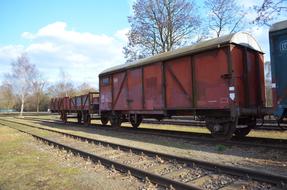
(252, 79)
(66, 103)
(106, 93)
(85, 101)
(76, 103)
(60, 104)
(135, 89)
(211, 85)
(241, 81)
(262, 78)
(178, 76)
(153, 87)
(248, 67)
(120, 91)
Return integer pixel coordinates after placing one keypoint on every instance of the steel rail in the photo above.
(278, 180)
(270, 126)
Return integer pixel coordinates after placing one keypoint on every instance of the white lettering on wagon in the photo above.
(231, 88)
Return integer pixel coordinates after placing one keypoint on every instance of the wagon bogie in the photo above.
(116, 120)
(221, 128)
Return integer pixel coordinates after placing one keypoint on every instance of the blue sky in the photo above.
(81, 37)
(78, 36)
(95, 16)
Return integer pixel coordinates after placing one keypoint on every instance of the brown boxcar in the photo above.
(219, 80)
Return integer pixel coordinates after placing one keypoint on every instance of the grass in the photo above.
(220, 147)
(23, 166)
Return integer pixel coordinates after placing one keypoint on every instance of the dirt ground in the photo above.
(28, 164)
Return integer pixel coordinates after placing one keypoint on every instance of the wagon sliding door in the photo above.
(211, 86)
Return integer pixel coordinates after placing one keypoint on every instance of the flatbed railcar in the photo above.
(220, 81)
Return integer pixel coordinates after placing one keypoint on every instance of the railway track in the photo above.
(166, 170)
(190, 136)
(267, 125)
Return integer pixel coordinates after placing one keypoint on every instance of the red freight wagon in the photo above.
(83, 106)
(219, 80)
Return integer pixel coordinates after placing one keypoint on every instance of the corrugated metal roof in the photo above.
(240, 38)
(278, 26)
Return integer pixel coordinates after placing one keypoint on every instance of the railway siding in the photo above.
(257, 156)
(163, 164)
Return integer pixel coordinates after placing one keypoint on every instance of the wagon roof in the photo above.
(278, 26)
(240, 38)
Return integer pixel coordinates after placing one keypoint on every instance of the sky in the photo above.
(79, 37)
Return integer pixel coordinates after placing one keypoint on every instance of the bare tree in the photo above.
(64, 87)
(21, 78)
(160, 25)
(269, 9)
(224, 16)
(84, 88)
(38, 85)
(7, 98)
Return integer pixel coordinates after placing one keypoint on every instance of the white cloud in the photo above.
(122, 35)
(81, 54)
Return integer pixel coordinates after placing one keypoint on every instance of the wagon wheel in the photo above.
(221, 131)
(115, 122)
(136, 121)
(104, 120)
